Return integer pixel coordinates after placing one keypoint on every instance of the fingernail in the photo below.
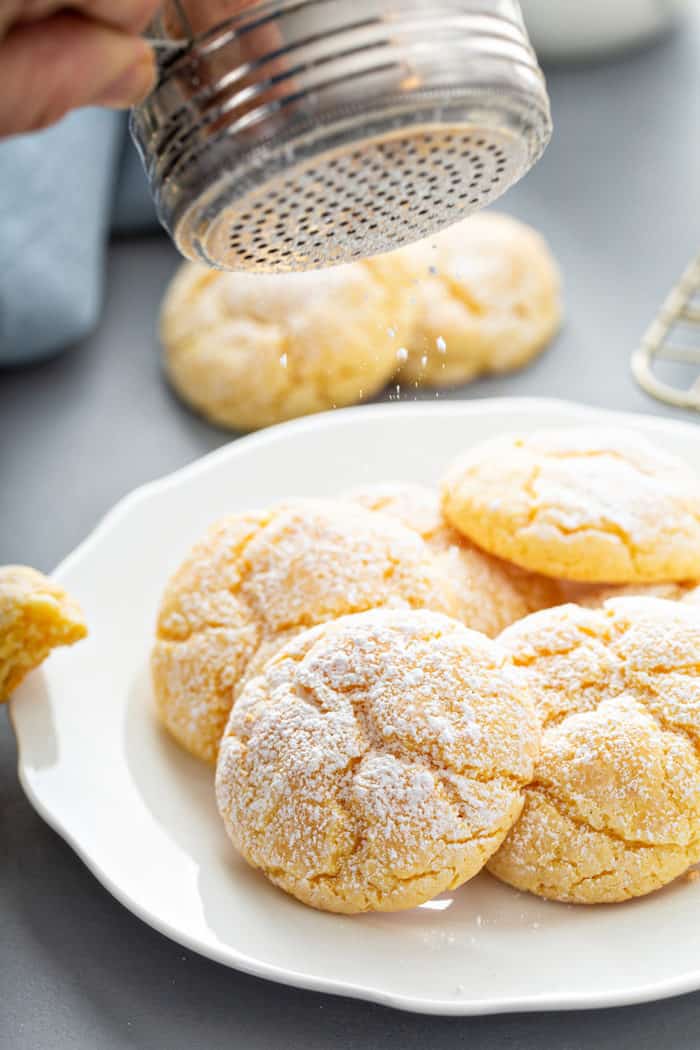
(131, 86)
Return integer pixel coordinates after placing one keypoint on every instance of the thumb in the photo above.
(66, 61)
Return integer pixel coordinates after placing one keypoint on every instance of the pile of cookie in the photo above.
(248, 350)
(400, 688)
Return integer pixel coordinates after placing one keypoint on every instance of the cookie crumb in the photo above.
(36, 616)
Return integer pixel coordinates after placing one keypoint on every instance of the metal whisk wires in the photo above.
(673, 337)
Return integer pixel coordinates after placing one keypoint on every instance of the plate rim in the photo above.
(656, 991)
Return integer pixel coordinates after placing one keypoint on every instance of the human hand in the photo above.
(56, 56)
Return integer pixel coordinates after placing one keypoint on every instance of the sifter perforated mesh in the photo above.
(359, 201)
(306, 133)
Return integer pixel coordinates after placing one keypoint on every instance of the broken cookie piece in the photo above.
(36, 616)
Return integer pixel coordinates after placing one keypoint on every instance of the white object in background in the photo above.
(564, 29)
(141, 812)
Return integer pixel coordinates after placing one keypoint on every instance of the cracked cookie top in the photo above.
(490, 593)
(247, 350)
(581, 503)
(614, 807)
(258, 579)
(377, 760)
(488, 299)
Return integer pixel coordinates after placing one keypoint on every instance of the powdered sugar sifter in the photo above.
(302, 133)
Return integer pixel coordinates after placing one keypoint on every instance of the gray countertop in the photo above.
(618, 195)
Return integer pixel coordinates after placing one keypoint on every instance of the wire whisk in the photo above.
(679, 315)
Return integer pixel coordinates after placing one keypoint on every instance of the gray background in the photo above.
(618, 195)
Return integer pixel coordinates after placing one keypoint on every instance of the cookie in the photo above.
(248, 350)
(487, 292)
(587, 504)
(592, 596)
(490, 594)
(36, 616)
(613, 811)
(377, 761)
(258, 579)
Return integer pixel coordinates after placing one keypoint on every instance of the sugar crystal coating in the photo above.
(247, 350)
(256, 580)
(490, 593)
(588, 503)
(377, 760)
(487, 293)
(614, 807)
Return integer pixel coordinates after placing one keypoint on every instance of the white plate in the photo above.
(141, 813)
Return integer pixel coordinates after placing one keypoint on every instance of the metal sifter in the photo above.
(302, 133)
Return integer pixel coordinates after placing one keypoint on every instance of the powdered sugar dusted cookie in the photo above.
(490, 593)
(582, 503)
(595, 595)
(255, 581)
(36, 616)
(248, 350)
(377, 761)
(614, 807)
(487, 293)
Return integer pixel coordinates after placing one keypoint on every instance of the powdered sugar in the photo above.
(399, 777)
(581, 503)
(614, 809)
(258, 578)
(489, 593)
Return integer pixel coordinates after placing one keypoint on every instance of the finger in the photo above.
(130, 15)
(66, 61)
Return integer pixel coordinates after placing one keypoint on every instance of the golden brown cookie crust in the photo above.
(377, 761)
(613, 811)
(36, 616)
(588, 504)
